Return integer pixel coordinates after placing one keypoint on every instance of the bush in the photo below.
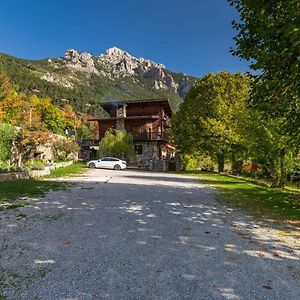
(7, 133)
(64, 148)
(118, 143)
(35, 164)
(6, 168)
(197, 162)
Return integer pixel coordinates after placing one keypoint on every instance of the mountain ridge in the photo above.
(87, 80)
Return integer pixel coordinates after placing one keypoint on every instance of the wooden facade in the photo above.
(148, 121)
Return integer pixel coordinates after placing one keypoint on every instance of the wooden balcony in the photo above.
(89, 143)
(151, 136)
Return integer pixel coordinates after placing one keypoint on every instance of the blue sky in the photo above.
(190, 36)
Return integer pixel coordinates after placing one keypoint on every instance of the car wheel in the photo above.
(92, 165)
(117, 167)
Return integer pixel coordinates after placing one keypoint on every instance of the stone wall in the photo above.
(33, 173)
(14, 176)
(150, 154)
(150, 158)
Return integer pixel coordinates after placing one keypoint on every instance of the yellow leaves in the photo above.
(10, 102)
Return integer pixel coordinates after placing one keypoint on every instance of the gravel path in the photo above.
(141, 235)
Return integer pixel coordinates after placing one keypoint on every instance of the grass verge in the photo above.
(23, 189)
(262, 202)
(72, 170)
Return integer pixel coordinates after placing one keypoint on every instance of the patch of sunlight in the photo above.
(11, 225)
(229, 293)
(207, 213)
(206, 248)
(176, 213)
(230, 248)
(142, 222)
(141, 242)
(188, 276)
(47, 261)
(151, 216)
(174, 204)
(135, 208)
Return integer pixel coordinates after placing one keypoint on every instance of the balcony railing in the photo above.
(137, 137)
(151, 136)
(89, 143)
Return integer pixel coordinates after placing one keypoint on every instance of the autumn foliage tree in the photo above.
(26, 142)
(10, 102)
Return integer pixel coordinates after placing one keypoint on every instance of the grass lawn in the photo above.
(72, 170)
(262, 202)
(22, 189)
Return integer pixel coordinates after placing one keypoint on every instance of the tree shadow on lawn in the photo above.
(13, 193)
(148, 241)
(262, 202)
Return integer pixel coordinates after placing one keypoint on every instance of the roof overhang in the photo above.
(165, 102)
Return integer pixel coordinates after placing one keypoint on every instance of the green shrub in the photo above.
(35, 164)
(6, 168)
(118, 143)
(7, 133)
(64, 149)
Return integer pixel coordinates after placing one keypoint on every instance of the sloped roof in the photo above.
(165, 102)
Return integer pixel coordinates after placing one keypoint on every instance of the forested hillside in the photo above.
(86, 81)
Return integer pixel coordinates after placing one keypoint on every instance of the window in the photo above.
(113, 159)
(138, 149)
(105, 159)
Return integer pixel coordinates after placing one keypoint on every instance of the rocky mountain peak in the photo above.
(116, 64)
(80, 60)
(115, 51)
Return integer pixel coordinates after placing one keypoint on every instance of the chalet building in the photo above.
(149, 123)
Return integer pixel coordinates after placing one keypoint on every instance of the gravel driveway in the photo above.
(141, 235)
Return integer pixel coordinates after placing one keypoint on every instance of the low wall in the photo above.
(34, 173)
(13, 176)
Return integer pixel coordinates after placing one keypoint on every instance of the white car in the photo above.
(108, 163)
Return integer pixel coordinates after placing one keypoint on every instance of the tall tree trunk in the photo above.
(280, 177)
(221, 161)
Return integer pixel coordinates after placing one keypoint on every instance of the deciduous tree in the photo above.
(117, 143)
(269, 36)
(208, 118)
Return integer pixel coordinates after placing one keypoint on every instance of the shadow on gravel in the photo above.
(169, 240)
(162, 178)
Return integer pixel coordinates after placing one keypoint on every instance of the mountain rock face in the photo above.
(116, 64)
(87, 80)
(81, 61)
